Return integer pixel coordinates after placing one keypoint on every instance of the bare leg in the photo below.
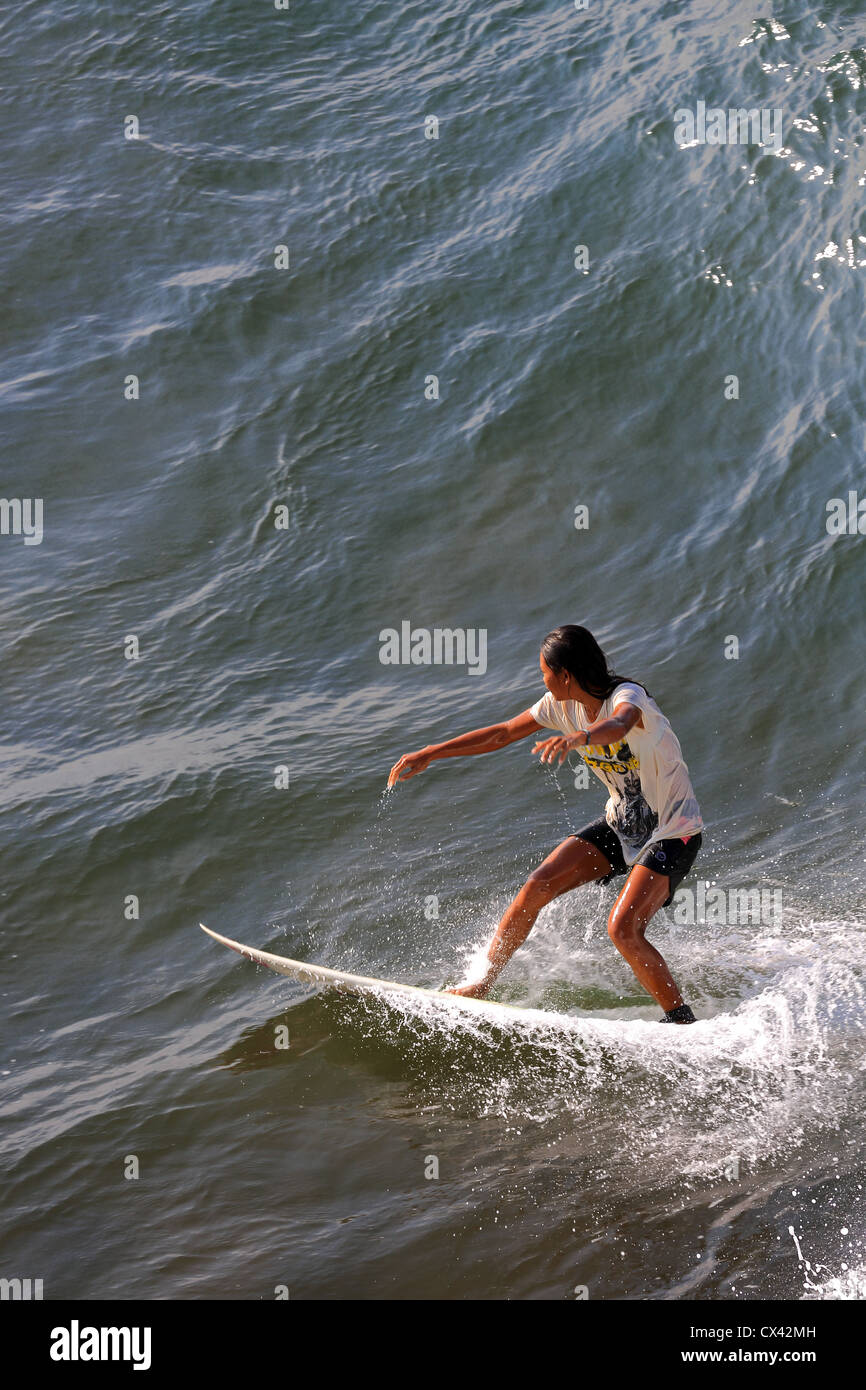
(643, 894)
(573, 862)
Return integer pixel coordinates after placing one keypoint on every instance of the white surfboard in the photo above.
(363, 984)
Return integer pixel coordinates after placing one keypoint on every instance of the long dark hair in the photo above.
(575, 650)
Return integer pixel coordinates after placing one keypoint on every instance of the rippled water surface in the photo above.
(581, 1145)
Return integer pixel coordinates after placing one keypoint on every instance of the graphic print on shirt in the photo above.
(630, 814)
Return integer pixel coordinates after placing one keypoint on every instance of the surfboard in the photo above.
(362, 984)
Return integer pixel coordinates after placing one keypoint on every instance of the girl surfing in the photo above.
(651, 830)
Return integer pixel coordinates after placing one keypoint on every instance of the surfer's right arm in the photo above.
(478, 741)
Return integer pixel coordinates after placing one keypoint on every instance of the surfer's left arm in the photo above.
(597, 735)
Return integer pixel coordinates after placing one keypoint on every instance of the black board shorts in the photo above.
(671, 857)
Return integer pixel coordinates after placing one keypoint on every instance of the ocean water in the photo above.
(167, 647)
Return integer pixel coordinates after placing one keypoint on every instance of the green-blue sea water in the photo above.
(248, 473)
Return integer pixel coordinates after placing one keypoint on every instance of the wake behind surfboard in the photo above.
(363, 984)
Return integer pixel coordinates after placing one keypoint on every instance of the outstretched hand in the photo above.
(558, 747)
(408, 766)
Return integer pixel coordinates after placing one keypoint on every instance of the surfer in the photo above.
(651, 830)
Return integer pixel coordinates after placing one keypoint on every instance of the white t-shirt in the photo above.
(651, 796)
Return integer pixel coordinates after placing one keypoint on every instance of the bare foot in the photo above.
(476, 991)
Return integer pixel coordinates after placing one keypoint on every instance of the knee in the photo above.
(538, 889)
(623, 926)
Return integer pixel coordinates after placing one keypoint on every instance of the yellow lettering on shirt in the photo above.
(605, 756)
